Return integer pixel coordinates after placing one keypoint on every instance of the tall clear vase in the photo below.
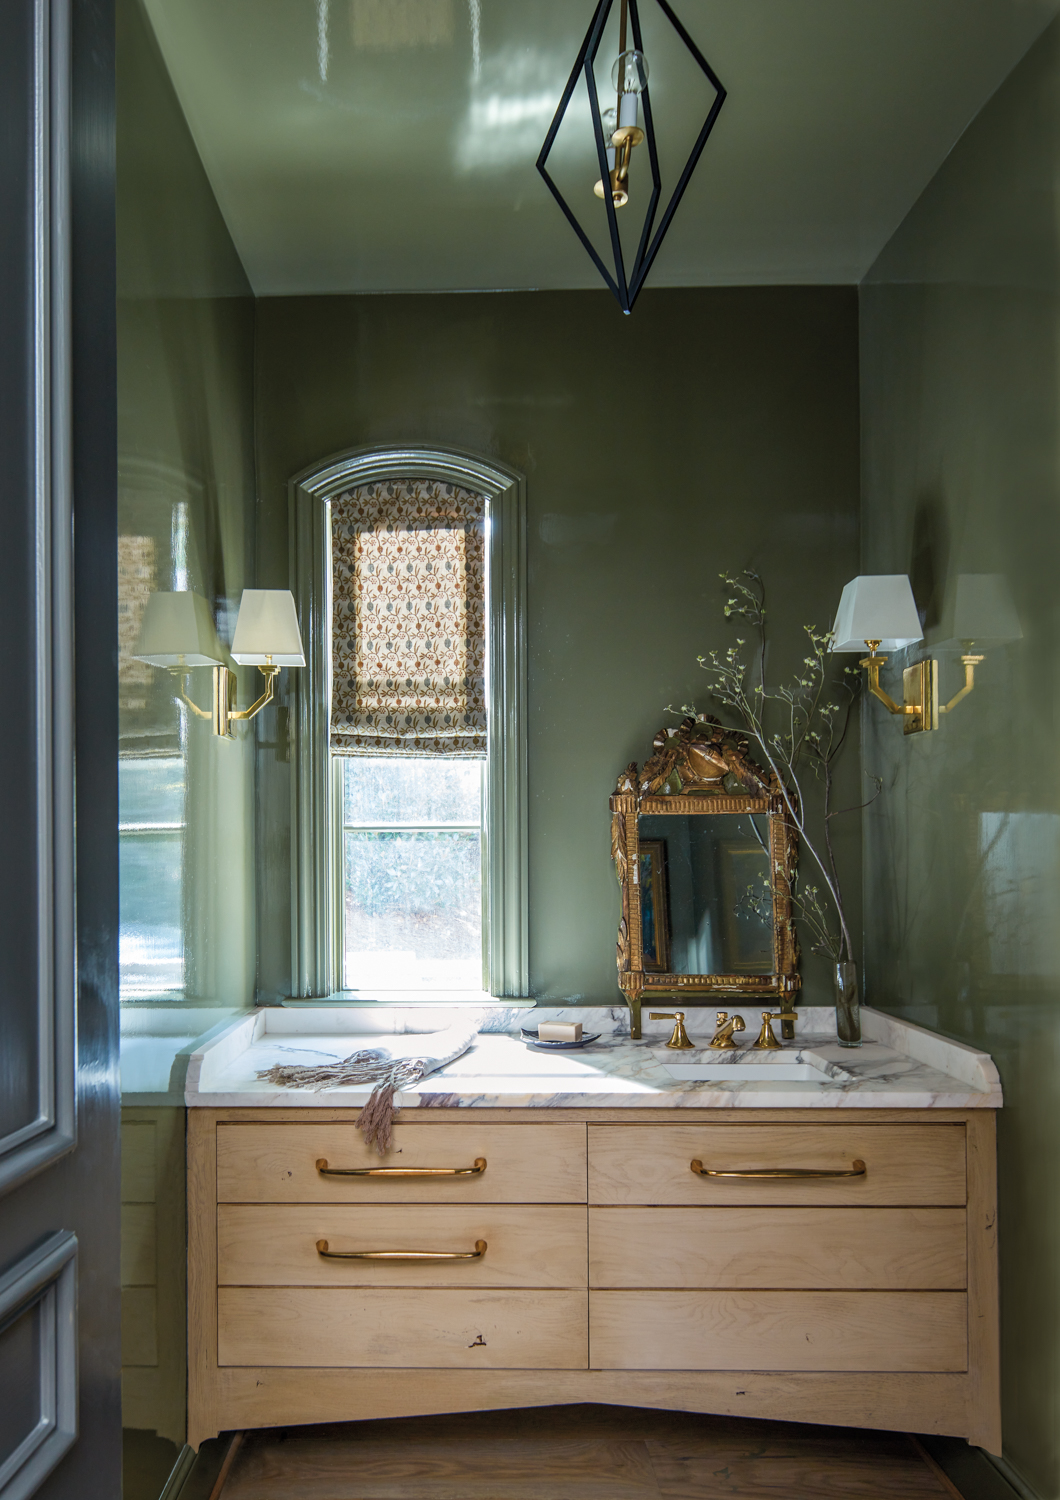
(847, 1005)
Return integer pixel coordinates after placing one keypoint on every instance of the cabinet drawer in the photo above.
(415, 1329)
(880, 1248)
(905, 1164)
(524, 1164)
(276, 1244)
(780, 1331)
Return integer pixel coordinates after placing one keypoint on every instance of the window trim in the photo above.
(316, 858)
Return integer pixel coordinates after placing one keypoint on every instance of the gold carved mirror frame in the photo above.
(700, 768)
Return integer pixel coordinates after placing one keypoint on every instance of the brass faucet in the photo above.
(726, 1026)
(766, 1040)
(679, 1037)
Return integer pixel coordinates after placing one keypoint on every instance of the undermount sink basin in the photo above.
(783, 1070)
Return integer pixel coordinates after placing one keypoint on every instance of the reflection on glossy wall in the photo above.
(960, 324)
(713, 429)
(185, 341)
(185, 508)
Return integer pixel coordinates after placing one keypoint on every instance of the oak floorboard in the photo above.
(453, 1468)
(809, 1475)
(578, 1453)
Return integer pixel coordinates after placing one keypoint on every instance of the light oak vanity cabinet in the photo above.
(578, 1255)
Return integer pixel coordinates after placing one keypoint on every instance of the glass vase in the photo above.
(847, 1005)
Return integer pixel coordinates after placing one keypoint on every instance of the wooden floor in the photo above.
(580, 1453)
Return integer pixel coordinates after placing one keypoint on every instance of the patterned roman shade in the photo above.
(408, 643)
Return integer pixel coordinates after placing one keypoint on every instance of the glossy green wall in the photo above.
(186, 521)
(186, 514)
(960, 325)
(713, 429)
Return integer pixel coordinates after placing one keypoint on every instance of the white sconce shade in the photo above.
(177, 630)
(876, 607)
(267, 630)
(984, 611)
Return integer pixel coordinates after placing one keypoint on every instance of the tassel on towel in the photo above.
(374, 1065)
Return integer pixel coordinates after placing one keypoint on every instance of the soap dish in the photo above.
(532, 1040)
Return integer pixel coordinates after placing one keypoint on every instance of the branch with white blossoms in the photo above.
(813, 914)
(800, 727)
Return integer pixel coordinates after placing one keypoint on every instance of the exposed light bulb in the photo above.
(609, 123)
(630, 72)
(629, 76)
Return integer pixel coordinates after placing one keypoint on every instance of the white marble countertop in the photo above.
(899, 1065)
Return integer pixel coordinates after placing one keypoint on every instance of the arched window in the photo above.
(409, 743)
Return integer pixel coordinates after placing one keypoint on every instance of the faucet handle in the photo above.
(766, 1040)
(679, 1036)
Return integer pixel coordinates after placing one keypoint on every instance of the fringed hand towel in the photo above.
(391, 1068)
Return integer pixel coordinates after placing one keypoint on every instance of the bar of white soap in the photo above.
(559, 1031)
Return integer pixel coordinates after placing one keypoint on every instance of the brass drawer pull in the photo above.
(857, 1168)
(402, 1255)
(475, 1171)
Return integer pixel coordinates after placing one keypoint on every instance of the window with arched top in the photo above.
(409, 841)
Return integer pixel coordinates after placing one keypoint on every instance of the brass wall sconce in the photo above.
(878, 610)
(178, 634)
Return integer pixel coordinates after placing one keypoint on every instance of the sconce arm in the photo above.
(970, 664)
(203, 713)
(270, 674)
(873, 663)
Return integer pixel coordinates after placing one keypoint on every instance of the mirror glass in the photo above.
(706, 897)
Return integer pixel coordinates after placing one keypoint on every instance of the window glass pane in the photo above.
(413, 910)
(151, 791)
(151, 944)
(383, 790)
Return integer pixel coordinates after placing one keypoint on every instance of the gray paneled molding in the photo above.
(48, 1130)
(316, 868)
(45, 1279)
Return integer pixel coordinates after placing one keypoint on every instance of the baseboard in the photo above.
(976, 1474)
(179, 1473)
(194, 1474)
(1014, 1479)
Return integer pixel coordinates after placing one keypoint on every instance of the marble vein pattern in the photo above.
(899, 1066)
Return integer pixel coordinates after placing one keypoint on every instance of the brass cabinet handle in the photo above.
(857, 1168)
(475, 1171)
(402, 1255)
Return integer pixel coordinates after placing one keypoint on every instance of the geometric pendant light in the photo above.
(618, 132)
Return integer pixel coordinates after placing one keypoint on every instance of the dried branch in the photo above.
(814, 713)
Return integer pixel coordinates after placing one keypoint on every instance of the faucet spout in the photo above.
(726, 1026)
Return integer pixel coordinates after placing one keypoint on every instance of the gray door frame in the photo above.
(59, 1145)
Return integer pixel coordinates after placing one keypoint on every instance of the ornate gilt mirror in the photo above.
(704, 855)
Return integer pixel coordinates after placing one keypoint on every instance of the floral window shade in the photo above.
(408, 647)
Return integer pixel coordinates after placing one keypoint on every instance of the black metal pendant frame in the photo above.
(626, 289)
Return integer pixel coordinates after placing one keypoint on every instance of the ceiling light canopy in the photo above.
(618, 133)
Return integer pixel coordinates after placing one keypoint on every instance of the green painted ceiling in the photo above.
(389, 145)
